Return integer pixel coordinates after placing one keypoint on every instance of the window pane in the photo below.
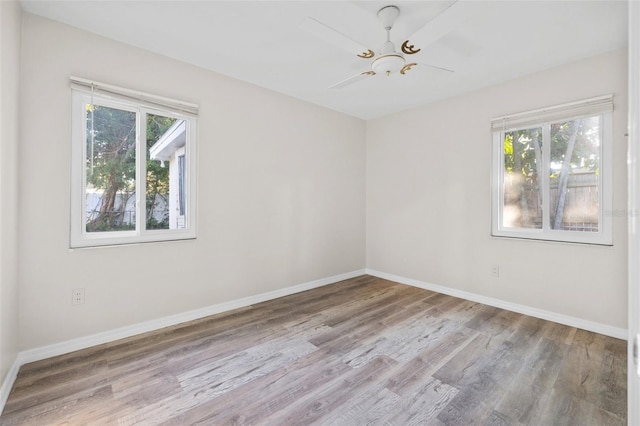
(110, 190)
(574, 184)
(522, 198)
(166, 146)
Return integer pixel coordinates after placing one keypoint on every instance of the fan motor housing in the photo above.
(388, 64)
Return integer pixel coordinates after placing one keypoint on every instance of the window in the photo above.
(133, 167)
(552, 173)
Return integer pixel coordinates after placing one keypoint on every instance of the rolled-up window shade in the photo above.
(146, 99)
(523, 120)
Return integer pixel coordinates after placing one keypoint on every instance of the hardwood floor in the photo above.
(362, 351)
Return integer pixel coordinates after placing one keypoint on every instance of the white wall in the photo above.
(428, 199)
(10, 20)
(281, 193)
(282, 188)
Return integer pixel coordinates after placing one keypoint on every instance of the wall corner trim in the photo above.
(593, 326)
(72, 345)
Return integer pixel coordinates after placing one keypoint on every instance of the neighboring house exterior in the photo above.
(170, 148)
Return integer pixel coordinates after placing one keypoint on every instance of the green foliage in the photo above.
(152, 223)
(585, 152)
(111, 166)
(508, 152)
(110, 163)
(108, 225)
(114, 142)
(519, 151)
(573, 148)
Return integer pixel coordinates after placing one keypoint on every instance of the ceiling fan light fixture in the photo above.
(388, 64)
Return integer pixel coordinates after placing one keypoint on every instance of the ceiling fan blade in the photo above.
(335, 37)
(352, 79)
(435, 67)
(409, 66)
(448, 20)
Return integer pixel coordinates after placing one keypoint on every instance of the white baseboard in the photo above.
(131, 330)
(596, 327)
(7, 384)
(61, 348)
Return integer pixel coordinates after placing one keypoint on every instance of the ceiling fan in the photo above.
(388, 61)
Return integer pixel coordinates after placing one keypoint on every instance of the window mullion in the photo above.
(498, 178)
(605, 196)
(83, 168)
(545, 178)
(141, 173)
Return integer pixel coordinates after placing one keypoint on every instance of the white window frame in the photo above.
(85, 92)
(600, 106)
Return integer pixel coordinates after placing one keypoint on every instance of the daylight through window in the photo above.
(133, 168)
(552, 174)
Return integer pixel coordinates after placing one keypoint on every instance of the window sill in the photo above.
(100, 244)
(553, 241)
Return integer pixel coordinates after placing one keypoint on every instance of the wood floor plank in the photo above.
(335, 394)
(420, 369)
(560, 333)
(76, 408)
(486, 381)
(528, 393)
(220, 376)
(565, 409)
(362, 351)
(266, 395)
(365, 408)
(579, 375)
(403, 343)
(465, 364)
(423, 406)
(49, 388)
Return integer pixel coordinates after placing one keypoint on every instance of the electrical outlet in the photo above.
(77, 296)
(495, 271)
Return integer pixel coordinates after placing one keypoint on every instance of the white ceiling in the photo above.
(263, 42)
